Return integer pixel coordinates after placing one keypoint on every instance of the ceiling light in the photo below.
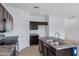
(36, 7)
(73, 16)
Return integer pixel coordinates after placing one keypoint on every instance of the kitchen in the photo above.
(39, 25)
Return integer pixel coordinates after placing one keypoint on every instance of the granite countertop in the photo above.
(2, 38)
(34, 34)
(6, 50)
(63, 44)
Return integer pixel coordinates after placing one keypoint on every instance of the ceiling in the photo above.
(59, 10)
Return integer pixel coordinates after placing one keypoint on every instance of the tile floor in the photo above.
(30, 51)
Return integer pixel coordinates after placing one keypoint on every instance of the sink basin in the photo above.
(56, 42)
(49, 40)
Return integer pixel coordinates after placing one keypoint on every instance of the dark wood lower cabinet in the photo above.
(14, 52)
(64, 52)
(34, 40)
(50, 53)
(47, 50)
(40, 46)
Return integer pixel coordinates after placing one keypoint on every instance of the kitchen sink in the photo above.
(56, 42)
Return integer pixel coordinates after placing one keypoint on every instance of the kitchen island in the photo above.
(7, 50)
(8, 45)
(51, 46)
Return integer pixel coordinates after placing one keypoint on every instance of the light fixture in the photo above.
(73, 16)
(36, 7)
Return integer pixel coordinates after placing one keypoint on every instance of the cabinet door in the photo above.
(33, 40)
(1, 13)
(5, 14)
(40, 46)
(50, 53)
(45, 51)
(64, 52)
(33, 25)
(1, 19)
(10, 18)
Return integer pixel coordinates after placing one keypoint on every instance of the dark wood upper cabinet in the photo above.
(4, 16)
(2, 27)
(43, 23)
(1, 13)
(34, 25)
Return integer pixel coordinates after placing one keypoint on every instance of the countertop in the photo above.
(6, 50)
(34, 34)
(2, 38)
(64, 43)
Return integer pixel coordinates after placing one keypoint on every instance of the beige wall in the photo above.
(72, 28)
(56, 25)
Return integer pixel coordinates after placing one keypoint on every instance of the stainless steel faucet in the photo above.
(57, 33)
